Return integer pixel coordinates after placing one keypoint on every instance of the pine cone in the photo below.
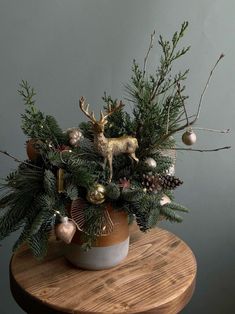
(168, 182)
(151, 182)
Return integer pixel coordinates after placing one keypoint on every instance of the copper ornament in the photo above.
(65, 230)
(32, 149)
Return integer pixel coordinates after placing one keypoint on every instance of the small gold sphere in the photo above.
(96, 195)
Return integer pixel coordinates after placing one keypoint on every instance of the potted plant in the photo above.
(89, 182)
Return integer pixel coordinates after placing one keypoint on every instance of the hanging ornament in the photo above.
(150, 162)
(75, 136)
(189, 137)
(96, 195)
(65, 230)
(32, 149)
(168, 182)
(60, 180)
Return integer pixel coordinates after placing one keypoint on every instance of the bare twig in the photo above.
(168, 112)
(178, 120)
(147, 54)
(18, 160)
(212, 130)
(182, 101)
(207, 84)
(168, 117)
(182, 127)
(203, 150)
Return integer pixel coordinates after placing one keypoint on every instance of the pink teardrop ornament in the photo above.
(65, 230)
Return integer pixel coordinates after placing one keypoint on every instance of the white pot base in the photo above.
(97, 258)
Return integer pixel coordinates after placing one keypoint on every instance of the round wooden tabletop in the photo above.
(158, 276)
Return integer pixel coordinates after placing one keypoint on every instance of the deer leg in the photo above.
(133, 156)
(104, 164)
(110, 161)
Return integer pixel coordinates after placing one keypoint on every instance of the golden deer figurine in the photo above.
(109, 147)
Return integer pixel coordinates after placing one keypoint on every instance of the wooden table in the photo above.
(158, 276)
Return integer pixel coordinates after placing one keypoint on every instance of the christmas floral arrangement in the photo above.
(124, 159)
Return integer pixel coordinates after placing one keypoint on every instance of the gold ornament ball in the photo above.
(96, 195)
(189, 137)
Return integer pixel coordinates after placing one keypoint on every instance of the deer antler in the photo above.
(84, 107)
(110, 110)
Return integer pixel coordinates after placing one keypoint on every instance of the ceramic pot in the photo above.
(107, 251)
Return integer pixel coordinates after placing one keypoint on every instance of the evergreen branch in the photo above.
(147, 55)
(170, 214)
(177, 207)
(27, 92)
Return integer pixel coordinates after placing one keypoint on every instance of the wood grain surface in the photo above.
(158, 276)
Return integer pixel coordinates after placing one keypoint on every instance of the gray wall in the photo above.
(66, 49)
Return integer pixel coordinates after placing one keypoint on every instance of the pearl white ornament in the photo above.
(151, 162)
(189, 137)
(73, 141)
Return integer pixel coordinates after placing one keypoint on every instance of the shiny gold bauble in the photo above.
(32, 150)
(96, 195)
(189, 137)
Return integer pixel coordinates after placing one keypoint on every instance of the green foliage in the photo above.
(112, 191)
(147, 211)
(34, 123)
(29, 198)
(169, 211)
(119, 123)
(20, 189)
(170, 214)
(130, 195)
(157, 104)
